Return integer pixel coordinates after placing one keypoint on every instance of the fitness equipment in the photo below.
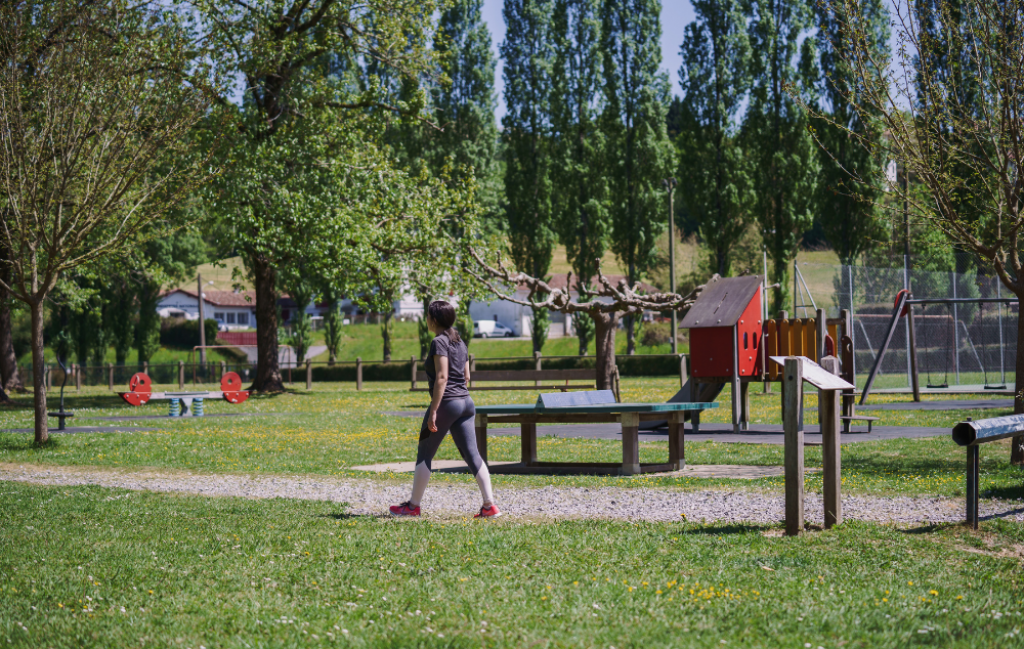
(182, 404)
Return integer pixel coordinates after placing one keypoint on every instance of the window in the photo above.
(218, 316)
(231, 318)
(243, 318)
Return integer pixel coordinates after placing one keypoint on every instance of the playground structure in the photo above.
(182, 404)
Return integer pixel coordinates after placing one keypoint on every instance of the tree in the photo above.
(850, 183)
(639, 154)
(84, 120)
(715, 77)
(775, 132)
(605, 313)
(301, 288)
(313, 95)
(10, 378)
(463, 104)
(954, 123)
(580, 210)
(527, 74)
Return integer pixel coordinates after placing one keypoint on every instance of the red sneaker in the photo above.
(405, 509)
(488, 512)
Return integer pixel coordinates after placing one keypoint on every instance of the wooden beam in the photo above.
(630, 443)
(481, 436)
(829, 410)
(793, 424)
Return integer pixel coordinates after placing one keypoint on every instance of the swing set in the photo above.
(903, 307)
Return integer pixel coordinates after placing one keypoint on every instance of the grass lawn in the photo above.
(94, 567)
(333, 428)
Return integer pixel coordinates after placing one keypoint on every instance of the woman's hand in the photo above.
(432, 421)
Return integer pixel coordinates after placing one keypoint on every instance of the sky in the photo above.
(675, 15)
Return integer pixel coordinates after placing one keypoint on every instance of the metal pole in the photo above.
(794, 291)
(906, 327)
(972, 486)
(670, 185)
(202, 322)
(999, 314)
(956, 333)
(853, 338)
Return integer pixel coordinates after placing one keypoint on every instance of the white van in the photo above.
(491, 329)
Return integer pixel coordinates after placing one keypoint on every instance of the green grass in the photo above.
(333, 428)
(95, 567)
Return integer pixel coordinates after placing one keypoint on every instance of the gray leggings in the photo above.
(455, 416)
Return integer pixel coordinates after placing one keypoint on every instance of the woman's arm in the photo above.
(440, 383)
(467, 374)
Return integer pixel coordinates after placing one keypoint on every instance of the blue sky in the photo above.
(675, 15)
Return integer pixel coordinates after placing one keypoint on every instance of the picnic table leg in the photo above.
(972, 486)
(481, 436)
(630, 443)
(528, 436)
(676, 454)
(695, 422)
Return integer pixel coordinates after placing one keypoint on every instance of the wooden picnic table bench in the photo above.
(591, 407)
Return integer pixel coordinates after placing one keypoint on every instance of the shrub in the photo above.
(182, 333)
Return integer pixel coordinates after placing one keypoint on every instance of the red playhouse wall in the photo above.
(711, 347)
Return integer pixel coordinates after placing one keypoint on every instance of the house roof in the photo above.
(222, 298)
(722, 302)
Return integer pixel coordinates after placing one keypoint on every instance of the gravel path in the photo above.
(372, 497)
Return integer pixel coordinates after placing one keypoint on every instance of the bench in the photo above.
(589, 407)
(847, 419)
(974, 433)
(543, 379)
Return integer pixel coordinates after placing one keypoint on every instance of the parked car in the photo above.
(491, 329)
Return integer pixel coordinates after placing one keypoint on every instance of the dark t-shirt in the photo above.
(457, 355)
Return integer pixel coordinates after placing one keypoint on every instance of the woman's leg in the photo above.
(447, 414)
(464, 434)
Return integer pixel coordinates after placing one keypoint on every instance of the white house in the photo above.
(231, 310)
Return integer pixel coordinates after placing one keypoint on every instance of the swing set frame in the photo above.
(904, 306)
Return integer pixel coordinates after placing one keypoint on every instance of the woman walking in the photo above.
(451, 410)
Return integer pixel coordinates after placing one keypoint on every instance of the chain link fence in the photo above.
(965, 345)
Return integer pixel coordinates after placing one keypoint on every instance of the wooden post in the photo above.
(528, 438)
(684, 375)
(223, 368)
(630, 443)
(181, 375)
(309, 374)
(412, 362)
(915, 380)
(481, 436)
(821, 324)
(829, 409)
(736, 407)
(676, 440)
(359, 373)
(537, 366)
(110, 371)
(792, 420)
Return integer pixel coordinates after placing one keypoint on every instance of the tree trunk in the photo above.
(385, 331)
(1017, 443)
(604, 343)
(630, 335)
(10, 379)
(268, 368)
(38, 371)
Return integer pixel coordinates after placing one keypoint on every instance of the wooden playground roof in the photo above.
(722, 302)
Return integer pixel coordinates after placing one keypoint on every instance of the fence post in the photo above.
(309, 374)
(537, 366)
(412, 363)
(110, 382)
(181, 375)
(359, 373)
(793, 425)
(829, 408)
(223, 368)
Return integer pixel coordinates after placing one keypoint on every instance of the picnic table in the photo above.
(548, 409)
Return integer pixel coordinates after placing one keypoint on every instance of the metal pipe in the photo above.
(956, 332)
(853, 338)
(982, 431)
(963, 300)
(973, 477)
(999, 314)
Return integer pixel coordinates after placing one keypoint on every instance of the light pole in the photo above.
(670, 185)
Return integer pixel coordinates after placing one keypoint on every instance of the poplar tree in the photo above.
(783, 157)
(714, 77)
(851, 182)
(639, 154)
(527, 75)
(581, 214)
(464, 103)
